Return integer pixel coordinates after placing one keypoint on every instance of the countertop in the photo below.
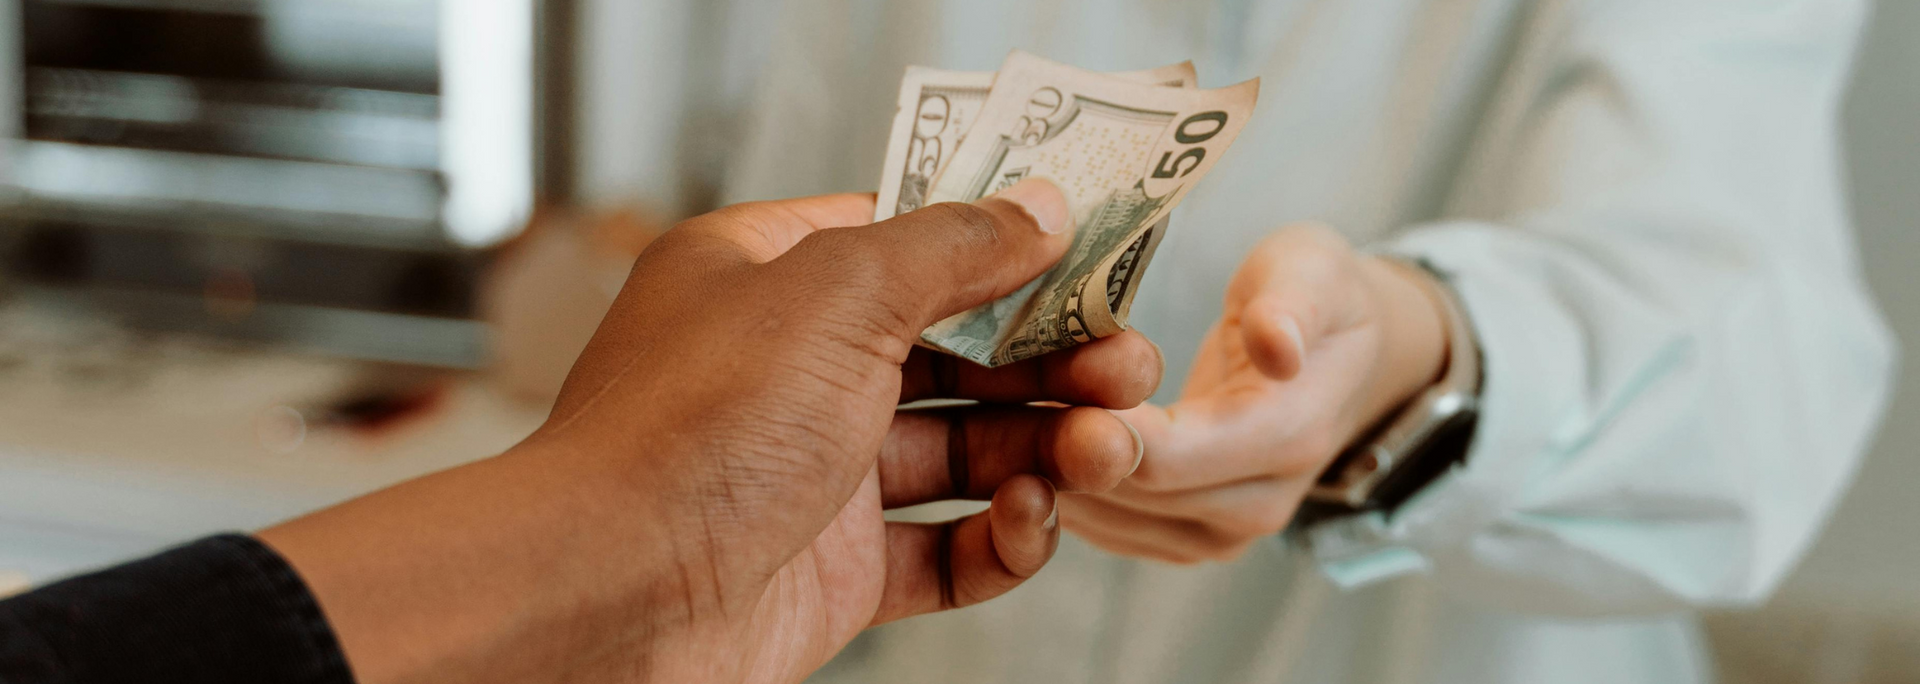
(114, 443)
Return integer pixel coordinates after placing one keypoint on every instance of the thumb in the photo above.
(950, 257)
(1274, 333)
(1294, 289)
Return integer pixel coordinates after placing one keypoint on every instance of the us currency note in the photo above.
(936, 108)
(1125, 153)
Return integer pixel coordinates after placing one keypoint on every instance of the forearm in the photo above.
(528, 567)
(519, 568)
(1681, 367)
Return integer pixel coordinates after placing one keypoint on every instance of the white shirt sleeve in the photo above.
(1683, 366)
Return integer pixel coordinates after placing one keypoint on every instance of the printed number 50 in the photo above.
(1196, 129)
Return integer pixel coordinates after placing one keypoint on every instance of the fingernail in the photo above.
(1139, 447)
(1053, 517)
(1042, 200)
(1291, 328)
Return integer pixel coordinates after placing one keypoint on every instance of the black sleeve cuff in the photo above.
(222, 609)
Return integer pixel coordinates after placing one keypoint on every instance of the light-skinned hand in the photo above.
(1317, 344)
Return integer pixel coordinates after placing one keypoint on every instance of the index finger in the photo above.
(1111, 372)
(762, 231)
(943, 566)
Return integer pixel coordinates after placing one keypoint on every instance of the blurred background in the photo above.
(257, 256)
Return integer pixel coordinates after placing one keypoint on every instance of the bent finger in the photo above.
(935, 567)
(1293, 289)
(1112, 372)
(762, 231)
(970, 452)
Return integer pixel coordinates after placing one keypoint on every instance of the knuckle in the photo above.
(691, 238)
(846, 267)
(969, 220)
(847, 288)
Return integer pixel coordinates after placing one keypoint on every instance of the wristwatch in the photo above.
(1416, 445)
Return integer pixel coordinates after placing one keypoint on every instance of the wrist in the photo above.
(1414, 337)
(535, 581)
(621, 567)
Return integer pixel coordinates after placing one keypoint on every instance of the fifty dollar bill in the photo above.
(1123, 148)
(936, 109)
